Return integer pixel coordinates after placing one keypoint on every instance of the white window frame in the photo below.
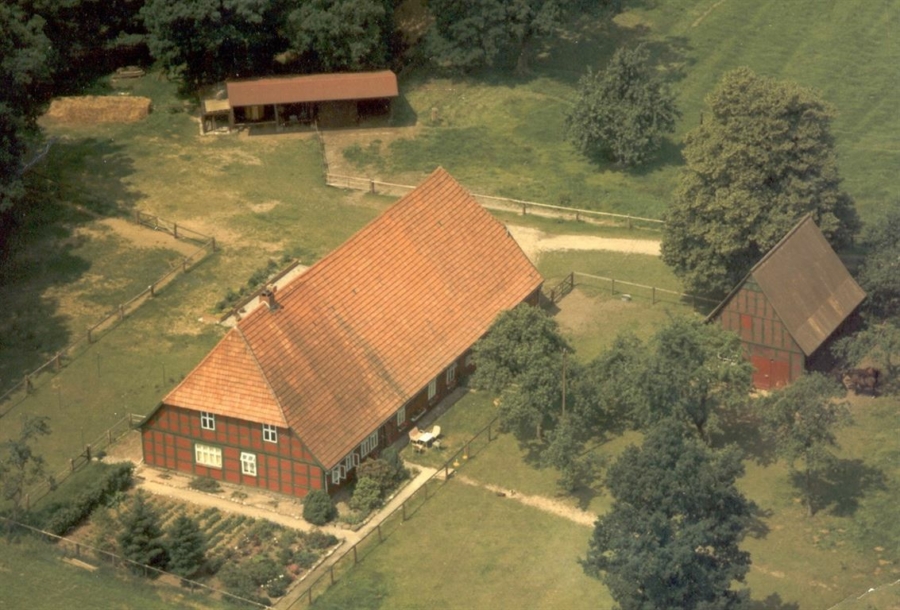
(338, 474)
(451, 375)
(207, 455)
(432, 388)
(270, 433)
(207, 420)
(369, 444)
(248, 463)
(401, 416)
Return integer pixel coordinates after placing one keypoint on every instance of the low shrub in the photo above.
(305, 558)
(63, 516)
(205, 484)
(317, 539)
(318, 507)
(366, 496)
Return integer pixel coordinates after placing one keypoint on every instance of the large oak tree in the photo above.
(761, 159)
(671, 539)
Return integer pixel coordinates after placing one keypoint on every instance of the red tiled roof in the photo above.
(313, 88)
(366, 328)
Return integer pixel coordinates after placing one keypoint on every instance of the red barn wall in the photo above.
(287, 467)
(777, 359)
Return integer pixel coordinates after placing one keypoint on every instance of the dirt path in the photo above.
(547, 505)
(534, 242)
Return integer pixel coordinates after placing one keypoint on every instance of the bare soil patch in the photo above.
(534, 241)
(547, 505)
(140, 237)
(579, 313)
(336, 141)
(90, 109)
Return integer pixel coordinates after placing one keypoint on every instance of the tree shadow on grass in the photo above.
(745, 431)
(841, 489)
(79, 180)
(758, 528)
(772, 602)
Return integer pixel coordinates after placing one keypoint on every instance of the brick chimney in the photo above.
(267, 296)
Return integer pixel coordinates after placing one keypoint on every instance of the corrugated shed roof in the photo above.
(313, 88)
(366, 328)
(808, 285)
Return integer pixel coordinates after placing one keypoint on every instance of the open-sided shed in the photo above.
(789, 305)
(333, 98)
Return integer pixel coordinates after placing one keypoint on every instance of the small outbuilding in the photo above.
(789, 306)
(338, 99)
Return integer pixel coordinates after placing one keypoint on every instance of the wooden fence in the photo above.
(334, 570)
(562, 289)
(20, 391)
(504, 204)
(92, 449)
(83, 554)
(652, 292)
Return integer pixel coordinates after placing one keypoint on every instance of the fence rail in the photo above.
(81, 551)
(332, 571)
(20, 391)
(656, 294)
(92, 449)
(504, 204)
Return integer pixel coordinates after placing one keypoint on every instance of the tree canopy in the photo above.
(208, 40)
(761, 159)
(20, 466)
(332, 35)
(801, 419)
(879, 275)
(24, 74)
(467, 34)
(671, 539)
(623, 111)
(521, 356)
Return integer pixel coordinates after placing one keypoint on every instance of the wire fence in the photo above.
(83, 555)
(504, 204)
(340, 565)
(653, 293)
(207, 245)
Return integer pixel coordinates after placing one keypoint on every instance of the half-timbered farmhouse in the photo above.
(338, 363)
(789, 305)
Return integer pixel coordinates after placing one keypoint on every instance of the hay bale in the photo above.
(99, 109)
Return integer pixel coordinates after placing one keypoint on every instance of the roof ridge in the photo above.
(262, 373)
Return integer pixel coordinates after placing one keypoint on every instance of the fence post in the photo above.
(613, 290)
(29, 387)
(489, 432)
(380, 537)
(355, 558)
(137, 216)
(90, 339)
(524, 209)
(184, 265)
(213, 240)
(72, 464)
(403, 510)
(156, 223)
(175, 229)
(121, 312)
(629, 222)
(331, 573)
(310, 595)
(151, 289)
(109, 437)
(87, 452)
(58, 361)
(653, 297)
(371, 186)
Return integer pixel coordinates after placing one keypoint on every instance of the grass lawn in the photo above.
(845, 48)
(469, 548)
(33, 575)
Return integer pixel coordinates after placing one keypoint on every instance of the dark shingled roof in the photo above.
(808, 285)
(367, 327)
(313, 88)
